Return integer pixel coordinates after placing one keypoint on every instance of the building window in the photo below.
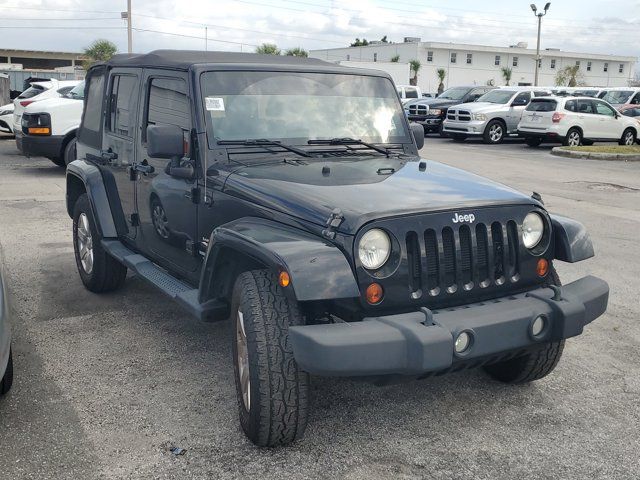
(454, 57)
(539, 63)
(578, 63)
(348, 57)
(469, 58)
(588, 66)
(553, 63)
(375, 57)
(497, 61)
(515, 61)
(621, 68)
(429, 56)
(606, 66)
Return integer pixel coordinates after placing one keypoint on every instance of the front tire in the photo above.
(70, 151)
(494, 133)
(458, 137)
(7, 380)
(628, 137)
(99, 271)
(533, 141)
(271, 389)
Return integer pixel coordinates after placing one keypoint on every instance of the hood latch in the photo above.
(333, 222)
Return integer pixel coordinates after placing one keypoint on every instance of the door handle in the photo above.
(144, 168)
(108, 156)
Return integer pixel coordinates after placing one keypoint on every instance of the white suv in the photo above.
(574, 121)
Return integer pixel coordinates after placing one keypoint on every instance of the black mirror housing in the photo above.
(165, 141)
(418, 134)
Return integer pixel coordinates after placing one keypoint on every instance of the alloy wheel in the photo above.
(628, 138)
(495, 133)
(160, 221)
(574, 139)
(243, 361)
(85, 244)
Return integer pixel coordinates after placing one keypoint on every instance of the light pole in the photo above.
(127, 16)
(539, 15)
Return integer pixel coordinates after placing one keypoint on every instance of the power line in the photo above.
(193, 36)
(24, 27)
(58, 19)
(56, 9)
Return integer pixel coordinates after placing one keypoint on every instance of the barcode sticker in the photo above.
(215, 104)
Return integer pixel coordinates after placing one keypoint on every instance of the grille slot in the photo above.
(433, 262)
(413, 259)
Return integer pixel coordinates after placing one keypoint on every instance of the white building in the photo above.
(480, 64)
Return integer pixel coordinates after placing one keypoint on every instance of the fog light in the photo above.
(538, 325)
(463, 342)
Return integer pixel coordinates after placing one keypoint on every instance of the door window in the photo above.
(168, 103)
(122, 107)
(522, 99)
(604, 109)
(90, 131)
(585, 106)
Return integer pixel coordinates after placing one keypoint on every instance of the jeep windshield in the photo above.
(295, 107)
(497, 96)
(457, 93)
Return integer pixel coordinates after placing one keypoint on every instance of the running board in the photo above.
(185, 295)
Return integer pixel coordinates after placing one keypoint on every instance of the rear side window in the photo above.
(122, 107)
(90, 132)
(411, 93)
(32, 91)
(168, 103)
(585, 106)
(542, 105)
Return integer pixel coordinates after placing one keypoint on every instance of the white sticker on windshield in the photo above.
(215, 104)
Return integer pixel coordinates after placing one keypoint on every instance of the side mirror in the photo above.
(418, 134)
(165, 141)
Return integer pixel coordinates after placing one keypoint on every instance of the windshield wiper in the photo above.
(349, 141)
(265, 143)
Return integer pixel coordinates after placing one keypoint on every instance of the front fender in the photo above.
(572, 241)
(318, 269)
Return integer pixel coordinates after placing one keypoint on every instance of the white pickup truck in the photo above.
(48, 127)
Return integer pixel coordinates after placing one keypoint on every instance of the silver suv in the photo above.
(493, 116)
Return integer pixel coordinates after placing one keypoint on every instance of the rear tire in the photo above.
(533, 141)
(271, 389)
(99, 271)
(628, 137)
(70, 151)
(537, 363)
(7, 380)
(573, 138)
(494, 133)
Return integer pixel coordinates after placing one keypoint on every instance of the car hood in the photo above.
(365, 190)
(432, 102)
(55, 103)
(479, 107)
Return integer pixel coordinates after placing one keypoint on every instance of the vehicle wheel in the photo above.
(587, 143)
(58, 161)
(441, 132)
(99, 271)
(494, 133)
(458, 137)
(7, 380)
(271, 389)
(534, 365)
(573, 138)
(159, 219)
(70, 151)
(628, 137)
(533, 141)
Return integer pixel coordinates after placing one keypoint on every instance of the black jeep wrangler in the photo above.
(288, 195)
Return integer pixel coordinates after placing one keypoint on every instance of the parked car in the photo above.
(589, 92)
(621, 96)
(329, 244)
(6, 359)
(37, 92)
(431, 112)
(493, 116)
(574, 121)
(49, 127)
(6, 118)
(408, 92)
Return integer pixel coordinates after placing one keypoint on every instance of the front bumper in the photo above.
(430, 123)
(420, 342)
(49, 146)
(474, 127)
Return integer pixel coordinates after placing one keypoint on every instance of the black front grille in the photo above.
(418, 109)
(464, 257)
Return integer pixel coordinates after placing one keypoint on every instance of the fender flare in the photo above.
(572, 241)
(318, 269)
(94, 186)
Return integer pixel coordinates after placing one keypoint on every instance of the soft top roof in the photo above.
(184, 59)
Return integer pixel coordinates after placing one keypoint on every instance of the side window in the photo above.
(585, 106)
(522, 99)
(168, 103)
(604, 109)
(64, 90)
(122, 105)
(571, 106)
(93, 103)
(411, 93)
(636, 99)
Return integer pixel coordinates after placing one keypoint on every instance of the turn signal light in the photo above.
(542, 268)
(284, 279)
(39, 131)
(374, 293)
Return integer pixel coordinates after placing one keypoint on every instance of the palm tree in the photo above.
(297, 52)
(569, 76)
(441, 73)
(268, 49)
(99, 51)
(395, 58)
(415, 68)
(506, 74)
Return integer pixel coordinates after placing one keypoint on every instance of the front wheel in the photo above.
(533, 141)
(441, 132)
(628, 137)
(494, 133)
(458, 137)
(271, 389)
(70, 151)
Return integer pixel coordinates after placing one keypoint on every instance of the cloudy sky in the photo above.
(605, 26)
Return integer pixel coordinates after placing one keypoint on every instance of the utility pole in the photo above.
(539, 15)
(206, 38)
(127, 16)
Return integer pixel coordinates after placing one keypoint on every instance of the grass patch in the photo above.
(631, 150)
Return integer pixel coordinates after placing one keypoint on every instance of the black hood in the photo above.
(433, 102)
(365, 189)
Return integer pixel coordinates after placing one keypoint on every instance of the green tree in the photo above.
(297, 52)
(569, 76)
(506, 74)
(268, 49)
(99, 51)
(441, 73)
(395, 58)
(415, 68)
(360, 43)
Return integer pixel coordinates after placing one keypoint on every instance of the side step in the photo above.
(184, 294)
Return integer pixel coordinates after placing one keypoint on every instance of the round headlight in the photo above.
(374, 249)
(532, 229)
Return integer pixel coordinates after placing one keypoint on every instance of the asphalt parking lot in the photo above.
(105, 385)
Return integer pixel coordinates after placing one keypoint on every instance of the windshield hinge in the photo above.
(333, 222)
